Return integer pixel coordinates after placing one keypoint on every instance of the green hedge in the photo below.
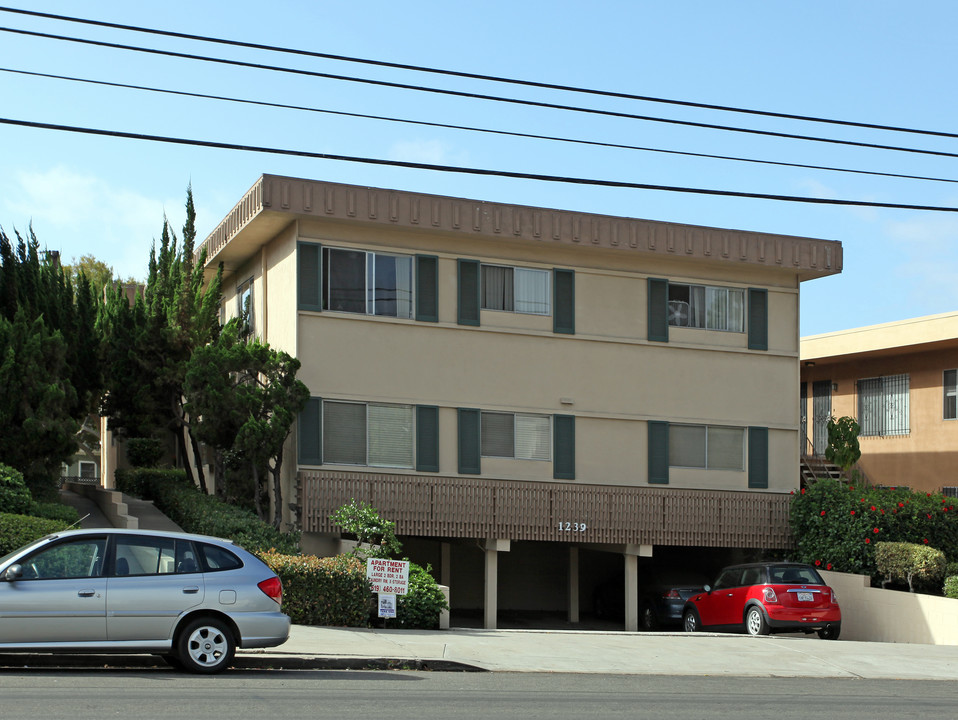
(421, 606)
(322, 591)
(951, 586)
(837, 526)
(197, 512)
(18, 530)
(15, 498)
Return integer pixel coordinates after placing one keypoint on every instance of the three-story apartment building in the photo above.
(526, 390)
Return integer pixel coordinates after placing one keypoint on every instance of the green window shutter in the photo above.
(469, 442)
(427, 438)
(310, 441)
(427, 288)
(658, 310)
(563, 447)
(563, 311)
(658, 452)
(758, 457)
(468, 292)
(309, 276)
(757, 319)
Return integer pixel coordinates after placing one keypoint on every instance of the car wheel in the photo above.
(690, 621)
(649, 620)
(205, 645)
(755, 623)
(830, 632)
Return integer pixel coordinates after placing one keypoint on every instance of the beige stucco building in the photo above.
(530, 394)
(898, 381)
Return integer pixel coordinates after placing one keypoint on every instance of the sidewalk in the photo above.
(606, 652)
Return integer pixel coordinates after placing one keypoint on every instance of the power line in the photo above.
(477, 76)
(385, 118)
(466, 171)
(474, 96)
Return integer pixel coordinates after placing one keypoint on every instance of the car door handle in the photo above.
(86, 593)
(191, 590)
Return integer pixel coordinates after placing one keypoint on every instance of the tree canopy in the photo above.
(50, 376)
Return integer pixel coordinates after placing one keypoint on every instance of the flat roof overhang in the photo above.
(274, 202)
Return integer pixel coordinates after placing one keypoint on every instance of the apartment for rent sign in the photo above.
(390, 577)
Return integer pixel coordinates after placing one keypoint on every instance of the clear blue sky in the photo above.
(880, 62)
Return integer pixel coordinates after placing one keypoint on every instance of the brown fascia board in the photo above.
(273, 202)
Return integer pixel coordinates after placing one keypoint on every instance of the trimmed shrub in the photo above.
(918, 565)
(55, 511)
(144, 452)
(15, 498)
(197, 512)
(951, 586)
(18, 530)
(322, 591)
(421, 606)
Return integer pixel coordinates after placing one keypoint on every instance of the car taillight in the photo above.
(770, 596)
(272, 587)
(834, 598)
(672, 595)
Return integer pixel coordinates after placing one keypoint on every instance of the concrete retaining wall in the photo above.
(873, 614)
(110, 503)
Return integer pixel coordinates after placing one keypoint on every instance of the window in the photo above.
(139, 555)
(367, 282)
(515, 435)
(883, 406)
(368, 434)
(244, 305)
(951, 394)
(217, 558)
(711, 447)
(700, 306)
(518, 290)
(72, 559)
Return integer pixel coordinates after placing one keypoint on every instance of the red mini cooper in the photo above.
(766, 597)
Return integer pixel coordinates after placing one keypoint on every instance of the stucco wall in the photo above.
(927, 457)
(877, 615)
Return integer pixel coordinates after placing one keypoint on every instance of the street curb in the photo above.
(29, 661)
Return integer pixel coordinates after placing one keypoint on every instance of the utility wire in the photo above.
(475, 76)
(475, 96)
(464, 170)
(385, 118)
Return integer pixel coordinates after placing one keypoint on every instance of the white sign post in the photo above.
(388, 579)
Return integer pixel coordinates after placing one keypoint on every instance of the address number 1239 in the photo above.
(572, 527)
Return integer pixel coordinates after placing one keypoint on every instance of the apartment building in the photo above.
(533, 395)
(898, 380)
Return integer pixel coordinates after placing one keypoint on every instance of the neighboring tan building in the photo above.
(898, 381)
(534, 396)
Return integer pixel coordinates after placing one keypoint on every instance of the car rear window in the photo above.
(787, 574)
(217, 558)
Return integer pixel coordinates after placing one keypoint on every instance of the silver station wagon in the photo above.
(188, 598)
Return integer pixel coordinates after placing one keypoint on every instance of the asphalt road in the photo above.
(424, 695)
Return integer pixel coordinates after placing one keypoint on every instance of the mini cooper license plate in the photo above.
(806, 597)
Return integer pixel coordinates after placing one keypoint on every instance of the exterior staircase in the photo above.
(815, 468)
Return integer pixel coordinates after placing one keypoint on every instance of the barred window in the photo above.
(883, 407)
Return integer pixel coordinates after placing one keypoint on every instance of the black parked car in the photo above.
(662, 596)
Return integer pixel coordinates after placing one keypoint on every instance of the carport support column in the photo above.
(491, 604)
(632, 555)
(573, 584)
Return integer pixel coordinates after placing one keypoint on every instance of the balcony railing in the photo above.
(453, 507)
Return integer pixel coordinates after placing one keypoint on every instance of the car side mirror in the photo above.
(708, 589)
(13, 572)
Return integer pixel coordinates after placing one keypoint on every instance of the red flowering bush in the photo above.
(831, 525)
